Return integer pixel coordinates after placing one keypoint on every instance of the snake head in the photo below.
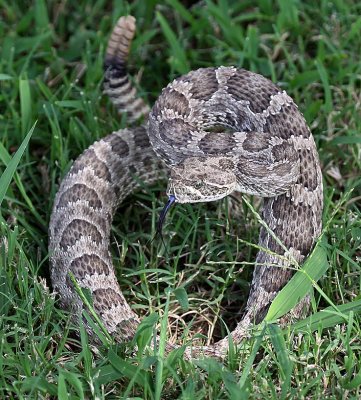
(202, 179)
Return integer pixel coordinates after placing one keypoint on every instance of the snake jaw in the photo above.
(199, 180)
(199, 192)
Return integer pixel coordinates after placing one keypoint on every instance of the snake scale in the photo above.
(218, 130)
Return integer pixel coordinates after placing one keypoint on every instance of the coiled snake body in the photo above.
(218, 130)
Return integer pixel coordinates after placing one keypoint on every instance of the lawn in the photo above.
(197, 281)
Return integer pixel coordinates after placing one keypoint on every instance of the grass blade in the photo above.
(25, 104)
(62, 390)
(284, 362)
(179, 58)
(125, 368)
(328, 317)
(247, 368)
(326, 85)
(300, 284)
(182, 297)
(9, 172)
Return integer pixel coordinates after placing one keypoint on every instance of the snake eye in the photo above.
(198, 185)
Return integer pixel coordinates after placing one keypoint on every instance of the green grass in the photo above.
(51, 57)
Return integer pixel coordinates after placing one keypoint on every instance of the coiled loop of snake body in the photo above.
(218, 130)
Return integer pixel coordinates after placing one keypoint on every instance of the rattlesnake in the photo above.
(218, 130)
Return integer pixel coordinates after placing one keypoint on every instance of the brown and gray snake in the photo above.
(218, 130)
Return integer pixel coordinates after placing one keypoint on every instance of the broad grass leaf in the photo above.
(300, 284)
(75, 381)
(182, 297)
(62, 390)
(126, 369)
(145, 331)
(37, 383)
(5, 77)
(328, 317)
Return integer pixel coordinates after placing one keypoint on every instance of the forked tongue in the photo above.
(163, 214)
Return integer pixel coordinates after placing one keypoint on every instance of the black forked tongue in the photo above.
(163, 214)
